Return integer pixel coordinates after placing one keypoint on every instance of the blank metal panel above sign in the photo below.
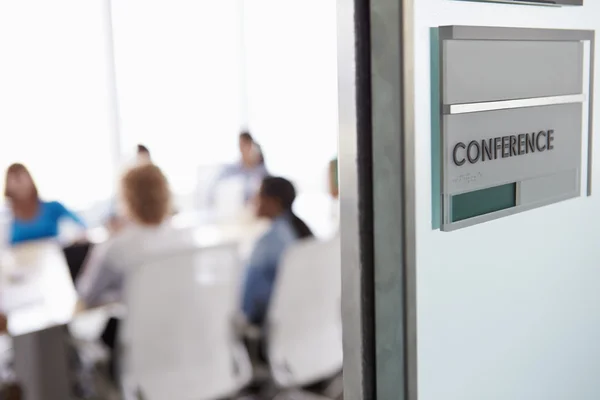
(477, 70)
(512, 109)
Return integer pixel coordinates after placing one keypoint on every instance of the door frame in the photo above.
(377, 207)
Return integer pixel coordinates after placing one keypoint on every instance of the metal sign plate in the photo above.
(512, 107)
(536, 2)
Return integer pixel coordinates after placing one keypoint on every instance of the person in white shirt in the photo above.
(146, 202)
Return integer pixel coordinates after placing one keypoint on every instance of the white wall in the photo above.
(509, 309)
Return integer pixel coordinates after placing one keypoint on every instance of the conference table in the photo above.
(39, 298)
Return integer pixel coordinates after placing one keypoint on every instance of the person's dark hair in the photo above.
(284, 191)
(142, 149)
(247, 136)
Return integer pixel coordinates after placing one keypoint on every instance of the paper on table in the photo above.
(19, 295)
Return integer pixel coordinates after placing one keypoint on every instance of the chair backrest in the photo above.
(304, 319)
(178, 337)
(316, 209)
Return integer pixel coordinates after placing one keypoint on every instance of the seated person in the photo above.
(251, 168)
(146, 202)
(275, 200)
(143, 155)
(334, 190)
(114, 221)
(32, 218)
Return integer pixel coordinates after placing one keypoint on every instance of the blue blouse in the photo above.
(261, 270)
(252, 178)
(44, 225)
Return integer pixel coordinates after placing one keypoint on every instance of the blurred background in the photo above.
(83, 82)
(163, 162)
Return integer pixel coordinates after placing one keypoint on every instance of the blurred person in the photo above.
(274, 201)
(251, 168)
(143, 155)
(250, 151)
(114, 222)
(32, 218)
(334, 190)
(146, 201)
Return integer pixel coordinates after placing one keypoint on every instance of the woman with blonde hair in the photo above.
(146, 204)
(32, 218)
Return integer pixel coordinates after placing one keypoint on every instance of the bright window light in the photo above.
(291, 62)
(178, 78)
(54, 97)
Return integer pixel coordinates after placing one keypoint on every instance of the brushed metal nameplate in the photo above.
(547, 3)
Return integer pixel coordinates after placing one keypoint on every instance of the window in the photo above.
(292, 86)
(178, 77)
(55, 102)
(291, 66)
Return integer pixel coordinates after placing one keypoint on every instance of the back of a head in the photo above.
(21, 191)
(146, 194)
(285, 192)
(281, 189)
(17, 169)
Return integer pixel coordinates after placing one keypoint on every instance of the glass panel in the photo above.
(54, 97)
(178, 76)
(484, 201)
